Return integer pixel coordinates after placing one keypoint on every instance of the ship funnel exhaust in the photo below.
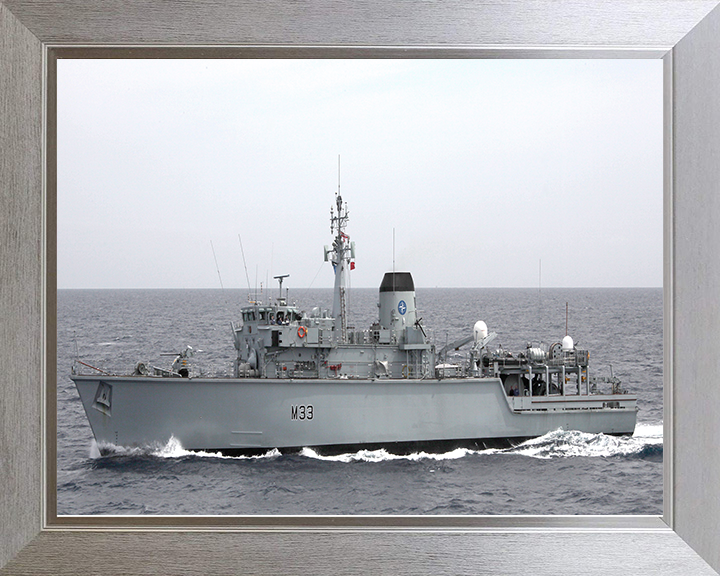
(397, 300)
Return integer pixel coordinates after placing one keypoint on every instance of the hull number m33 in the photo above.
(301, 412)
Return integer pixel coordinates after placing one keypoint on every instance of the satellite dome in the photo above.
(480, 330)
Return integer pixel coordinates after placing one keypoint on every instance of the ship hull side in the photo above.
(260, 414)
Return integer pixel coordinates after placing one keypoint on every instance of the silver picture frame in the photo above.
(686, 539)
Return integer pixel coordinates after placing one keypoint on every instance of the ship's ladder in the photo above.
(425, 364)
(343, 315)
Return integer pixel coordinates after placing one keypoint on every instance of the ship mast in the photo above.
(341, 254)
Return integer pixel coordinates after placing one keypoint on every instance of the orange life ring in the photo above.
(302, 331)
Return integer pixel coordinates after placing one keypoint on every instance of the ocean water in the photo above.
(563, 472)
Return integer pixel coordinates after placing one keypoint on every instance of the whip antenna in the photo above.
(244, 263)
(216, 266)
(540, 292)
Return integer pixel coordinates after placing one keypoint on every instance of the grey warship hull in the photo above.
(309, 379)
(256, 415)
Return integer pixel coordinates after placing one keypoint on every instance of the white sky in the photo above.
(484, 168)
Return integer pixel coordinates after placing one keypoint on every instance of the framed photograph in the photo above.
(689, 281)
(470, 174)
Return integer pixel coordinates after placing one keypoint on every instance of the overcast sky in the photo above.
(483, 168)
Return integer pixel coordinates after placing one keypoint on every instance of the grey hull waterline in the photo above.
(307, 379)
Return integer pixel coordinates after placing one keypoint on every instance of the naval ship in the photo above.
(307, 379)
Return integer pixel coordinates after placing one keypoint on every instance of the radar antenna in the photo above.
(280, 280)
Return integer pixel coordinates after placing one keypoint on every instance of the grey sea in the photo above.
(563, 472)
